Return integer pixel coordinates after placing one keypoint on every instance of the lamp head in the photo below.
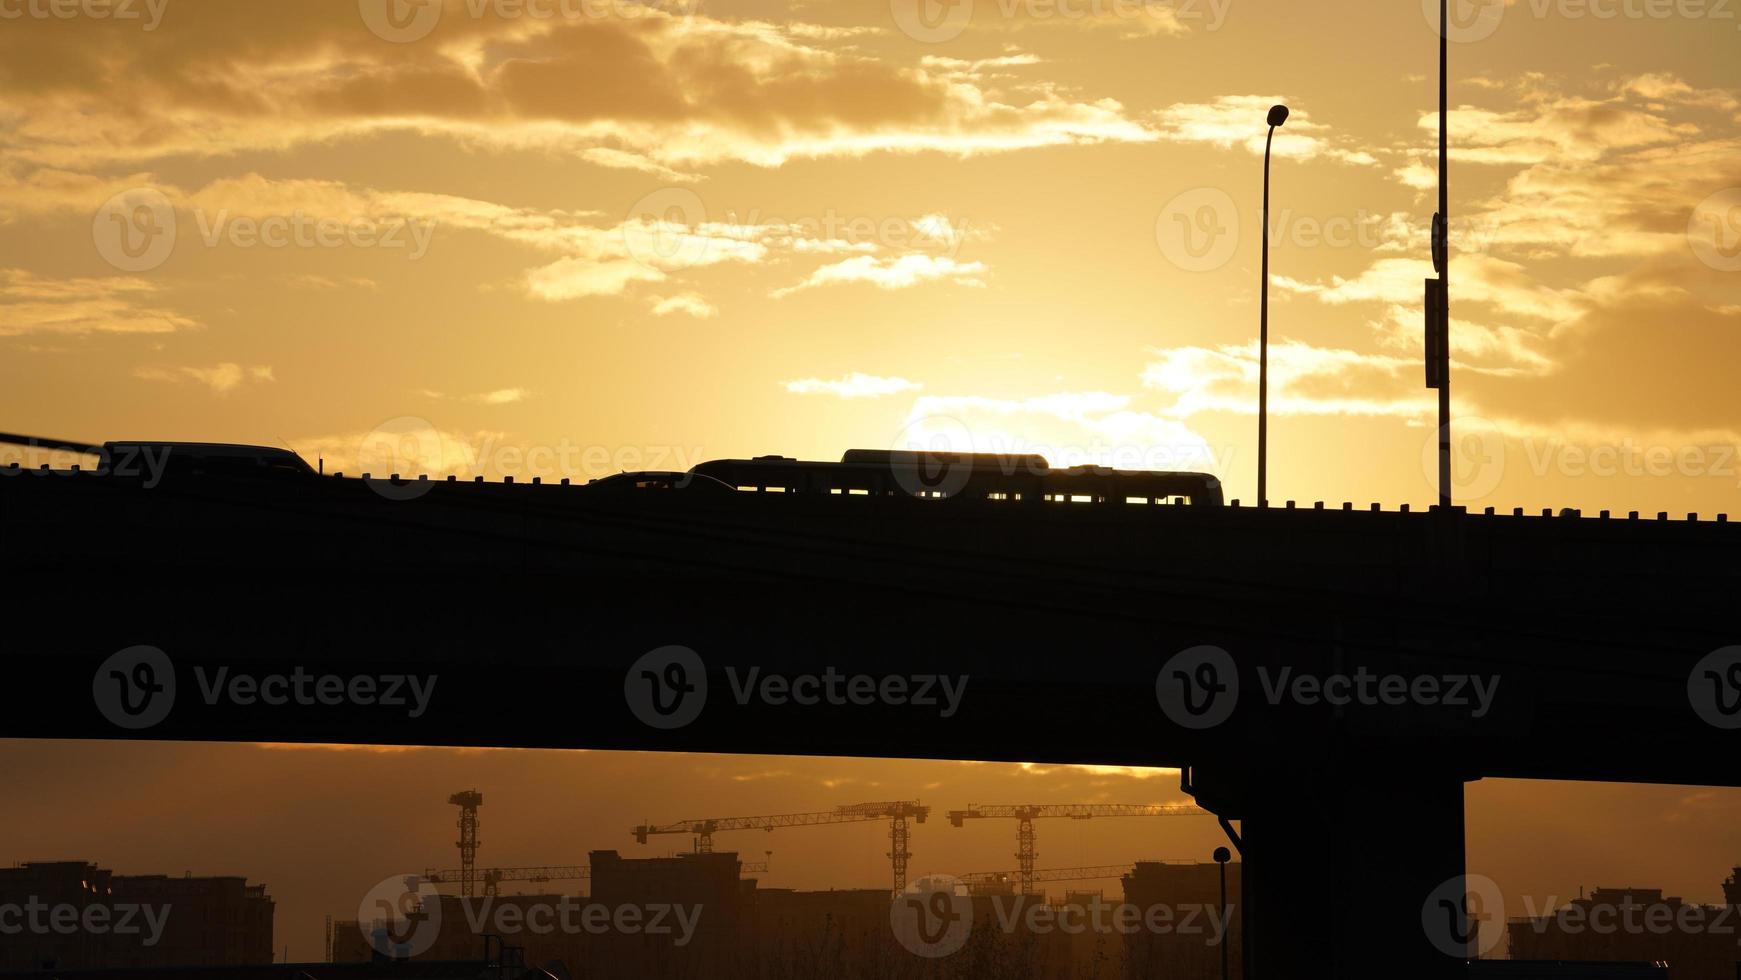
(1223, 855)
(1278, 114)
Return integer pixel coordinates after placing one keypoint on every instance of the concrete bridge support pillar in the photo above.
(1352, 875)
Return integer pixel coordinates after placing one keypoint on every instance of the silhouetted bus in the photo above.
(1015, 478)
(200, 459)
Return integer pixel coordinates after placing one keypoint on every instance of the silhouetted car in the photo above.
(658, 480)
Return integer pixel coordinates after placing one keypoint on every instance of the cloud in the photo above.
(854, 385)
(1544, 347)
(706, 91)
(407, 446)
(1565, 128)
(381, 749)
(893, 273)
(1238, 120)
(1304, 380)
(573, 278)
(1504, 320)
(1610, 177)
(976, 70)
(1667, 88)
(1131, 19)
(327, 283)
(220, 378)
(688, 303)
(1501, 351)
(47, 190)
(1068, 428)
(752, 777)
(501, 396)
(1648, 356)
(1480, 279)
(114, 305)
(1133, 772)
(665, 233)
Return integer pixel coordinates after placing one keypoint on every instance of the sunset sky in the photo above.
(567, 239)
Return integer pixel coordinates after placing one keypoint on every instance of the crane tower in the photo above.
(468, 803)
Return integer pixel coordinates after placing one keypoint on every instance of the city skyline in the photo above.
(344, 818)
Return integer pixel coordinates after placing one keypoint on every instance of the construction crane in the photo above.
(493, 877)
(896, 812)
(1027, 813)
(468, 803)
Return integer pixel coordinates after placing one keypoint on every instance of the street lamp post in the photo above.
(1277, 115)
(1222, 856)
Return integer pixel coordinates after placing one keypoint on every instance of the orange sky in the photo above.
(577, 236)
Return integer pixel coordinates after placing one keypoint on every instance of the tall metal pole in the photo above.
(1263, 344)
(1221, 856)
(1444, 273)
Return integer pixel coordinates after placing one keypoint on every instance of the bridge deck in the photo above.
(531, 602)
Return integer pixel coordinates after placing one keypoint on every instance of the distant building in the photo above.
(74, 915)
(1634, 925)
(580, 932)
(1190, 947)
(709, 884)
(823, 932)
(461, 926)
(217, 921)
(741, 931)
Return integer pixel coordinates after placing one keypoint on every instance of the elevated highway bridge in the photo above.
(558, 616)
